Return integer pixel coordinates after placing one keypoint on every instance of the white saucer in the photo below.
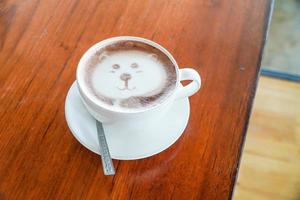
(124, 145)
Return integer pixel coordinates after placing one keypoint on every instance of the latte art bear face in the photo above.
(126, 74)
(130, 75)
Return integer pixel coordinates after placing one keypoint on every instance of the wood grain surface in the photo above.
(41, 43)
(272, 148)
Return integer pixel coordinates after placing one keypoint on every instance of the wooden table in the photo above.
(41, 43)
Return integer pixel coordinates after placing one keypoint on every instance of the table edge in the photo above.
(266, 28)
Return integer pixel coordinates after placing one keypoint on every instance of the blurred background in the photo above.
(270, 165)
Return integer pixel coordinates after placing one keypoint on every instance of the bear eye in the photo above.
(116, 66)
(134, 65)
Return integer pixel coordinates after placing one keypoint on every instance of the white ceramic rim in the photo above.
(105, 42)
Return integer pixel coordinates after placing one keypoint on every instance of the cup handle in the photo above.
(192, 87)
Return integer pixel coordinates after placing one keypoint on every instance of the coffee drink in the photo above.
(129, 75)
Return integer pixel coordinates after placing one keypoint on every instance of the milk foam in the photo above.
(130, 79)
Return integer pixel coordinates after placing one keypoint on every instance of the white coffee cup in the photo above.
(135, 119)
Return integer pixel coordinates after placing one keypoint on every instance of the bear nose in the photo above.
(125, 77)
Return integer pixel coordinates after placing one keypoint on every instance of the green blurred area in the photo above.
(282, 52)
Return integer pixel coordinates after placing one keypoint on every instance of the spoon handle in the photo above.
(108, 167)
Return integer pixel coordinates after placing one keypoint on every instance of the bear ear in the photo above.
(153, 56)
(102, 57)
